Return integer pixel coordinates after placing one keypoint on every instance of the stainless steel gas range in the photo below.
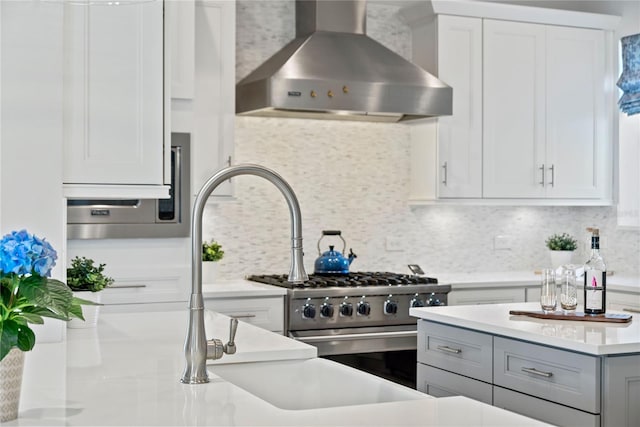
(361, 318)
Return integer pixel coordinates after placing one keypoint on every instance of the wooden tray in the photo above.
(577, 316)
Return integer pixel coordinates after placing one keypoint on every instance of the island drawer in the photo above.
(560, 376)
(264, 312)
(458, 350)
(543, 410)
(439, 383)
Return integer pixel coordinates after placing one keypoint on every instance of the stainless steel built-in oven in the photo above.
(138, 218)
(361, 319)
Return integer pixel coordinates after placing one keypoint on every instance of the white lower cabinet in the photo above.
(563, 377)
(621, 391)
(556, 386)
(264, 312)
(532, 407)
(441, 383)
(487, 296)
(623, 301)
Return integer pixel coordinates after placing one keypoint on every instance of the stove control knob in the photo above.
(364, 308)
(390, 307)
(433, 300)
(416, 302)
(346, 309)
(326, 310)
(308, 311)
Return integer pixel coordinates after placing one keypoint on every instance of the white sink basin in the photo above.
(312, 384)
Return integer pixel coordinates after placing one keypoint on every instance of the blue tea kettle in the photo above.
(332, 261)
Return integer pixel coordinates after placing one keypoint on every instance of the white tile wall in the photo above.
(354, 177)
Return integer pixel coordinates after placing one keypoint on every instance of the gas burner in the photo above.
(350, 280)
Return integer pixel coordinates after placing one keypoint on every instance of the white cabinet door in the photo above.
(113, 93)
(264, 312)
(546, 133)
(577, 158)
(214, 101)
(180, 29)
(514, 113)
(460, 135)
(486, 296)
(623, 301)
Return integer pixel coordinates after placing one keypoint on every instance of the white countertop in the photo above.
(597, 338)
(501, 278)
(126, 372)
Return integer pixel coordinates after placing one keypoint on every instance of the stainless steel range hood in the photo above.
(332, 70)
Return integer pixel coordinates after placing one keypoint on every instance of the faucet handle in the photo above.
(215, 349)
(230, 347)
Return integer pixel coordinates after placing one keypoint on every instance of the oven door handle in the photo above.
(366, 335)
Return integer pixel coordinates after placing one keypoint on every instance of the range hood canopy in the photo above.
(332, 70)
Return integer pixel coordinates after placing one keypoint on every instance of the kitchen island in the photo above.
(126, 372)
(562, 372)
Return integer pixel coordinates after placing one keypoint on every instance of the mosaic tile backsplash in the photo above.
(354, 177)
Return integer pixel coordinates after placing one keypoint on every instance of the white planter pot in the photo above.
(90, 312)
(209, 272)
(10, 383)
(559, 258)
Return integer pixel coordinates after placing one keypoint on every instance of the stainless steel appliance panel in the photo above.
(139, 218)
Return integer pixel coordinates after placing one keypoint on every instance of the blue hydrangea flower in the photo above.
(23, 253)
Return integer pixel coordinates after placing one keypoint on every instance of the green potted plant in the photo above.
(211, 253)
(27, 295)
(87, 279)
(561, 247)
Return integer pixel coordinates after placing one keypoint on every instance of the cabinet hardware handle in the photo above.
(444, 167)
(632, 310)
(553, 175)
(229, 161)
(242, 316)
(534, 371)
(541, 168)
(449, 349)
(126, 286)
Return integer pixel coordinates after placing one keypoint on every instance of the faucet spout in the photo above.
(195, 347)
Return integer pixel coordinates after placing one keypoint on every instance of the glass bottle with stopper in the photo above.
(595, 278)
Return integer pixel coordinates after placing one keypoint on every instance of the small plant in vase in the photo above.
(87, 279)
(211, 253)
(561, 247)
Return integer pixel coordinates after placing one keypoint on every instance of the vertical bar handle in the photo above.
(553, 175)
(444, 173)
(541, 168)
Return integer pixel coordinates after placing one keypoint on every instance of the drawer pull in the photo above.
(242, 316)
(449, 349)
(534, 371)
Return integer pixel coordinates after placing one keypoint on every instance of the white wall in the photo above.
(354, 177)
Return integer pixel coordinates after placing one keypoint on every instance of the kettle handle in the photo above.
(332, 233)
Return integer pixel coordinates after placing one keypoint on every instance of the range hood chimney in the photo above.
(332, 70)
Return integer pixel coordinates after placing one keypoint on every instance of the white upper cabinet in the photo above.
(546, 132)
(579, 141)
(113, 98)
(514, 128)
(201, 39)
(460, 135)
(532, 105)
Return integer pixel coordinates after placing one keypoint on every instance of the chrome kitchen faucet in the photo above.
(196, 348)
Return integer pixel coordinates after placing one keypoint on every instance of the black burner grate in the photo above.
(345, 280)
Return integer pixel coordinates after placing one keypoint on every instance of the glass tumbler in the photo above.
(568, 291)
(548, 294)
